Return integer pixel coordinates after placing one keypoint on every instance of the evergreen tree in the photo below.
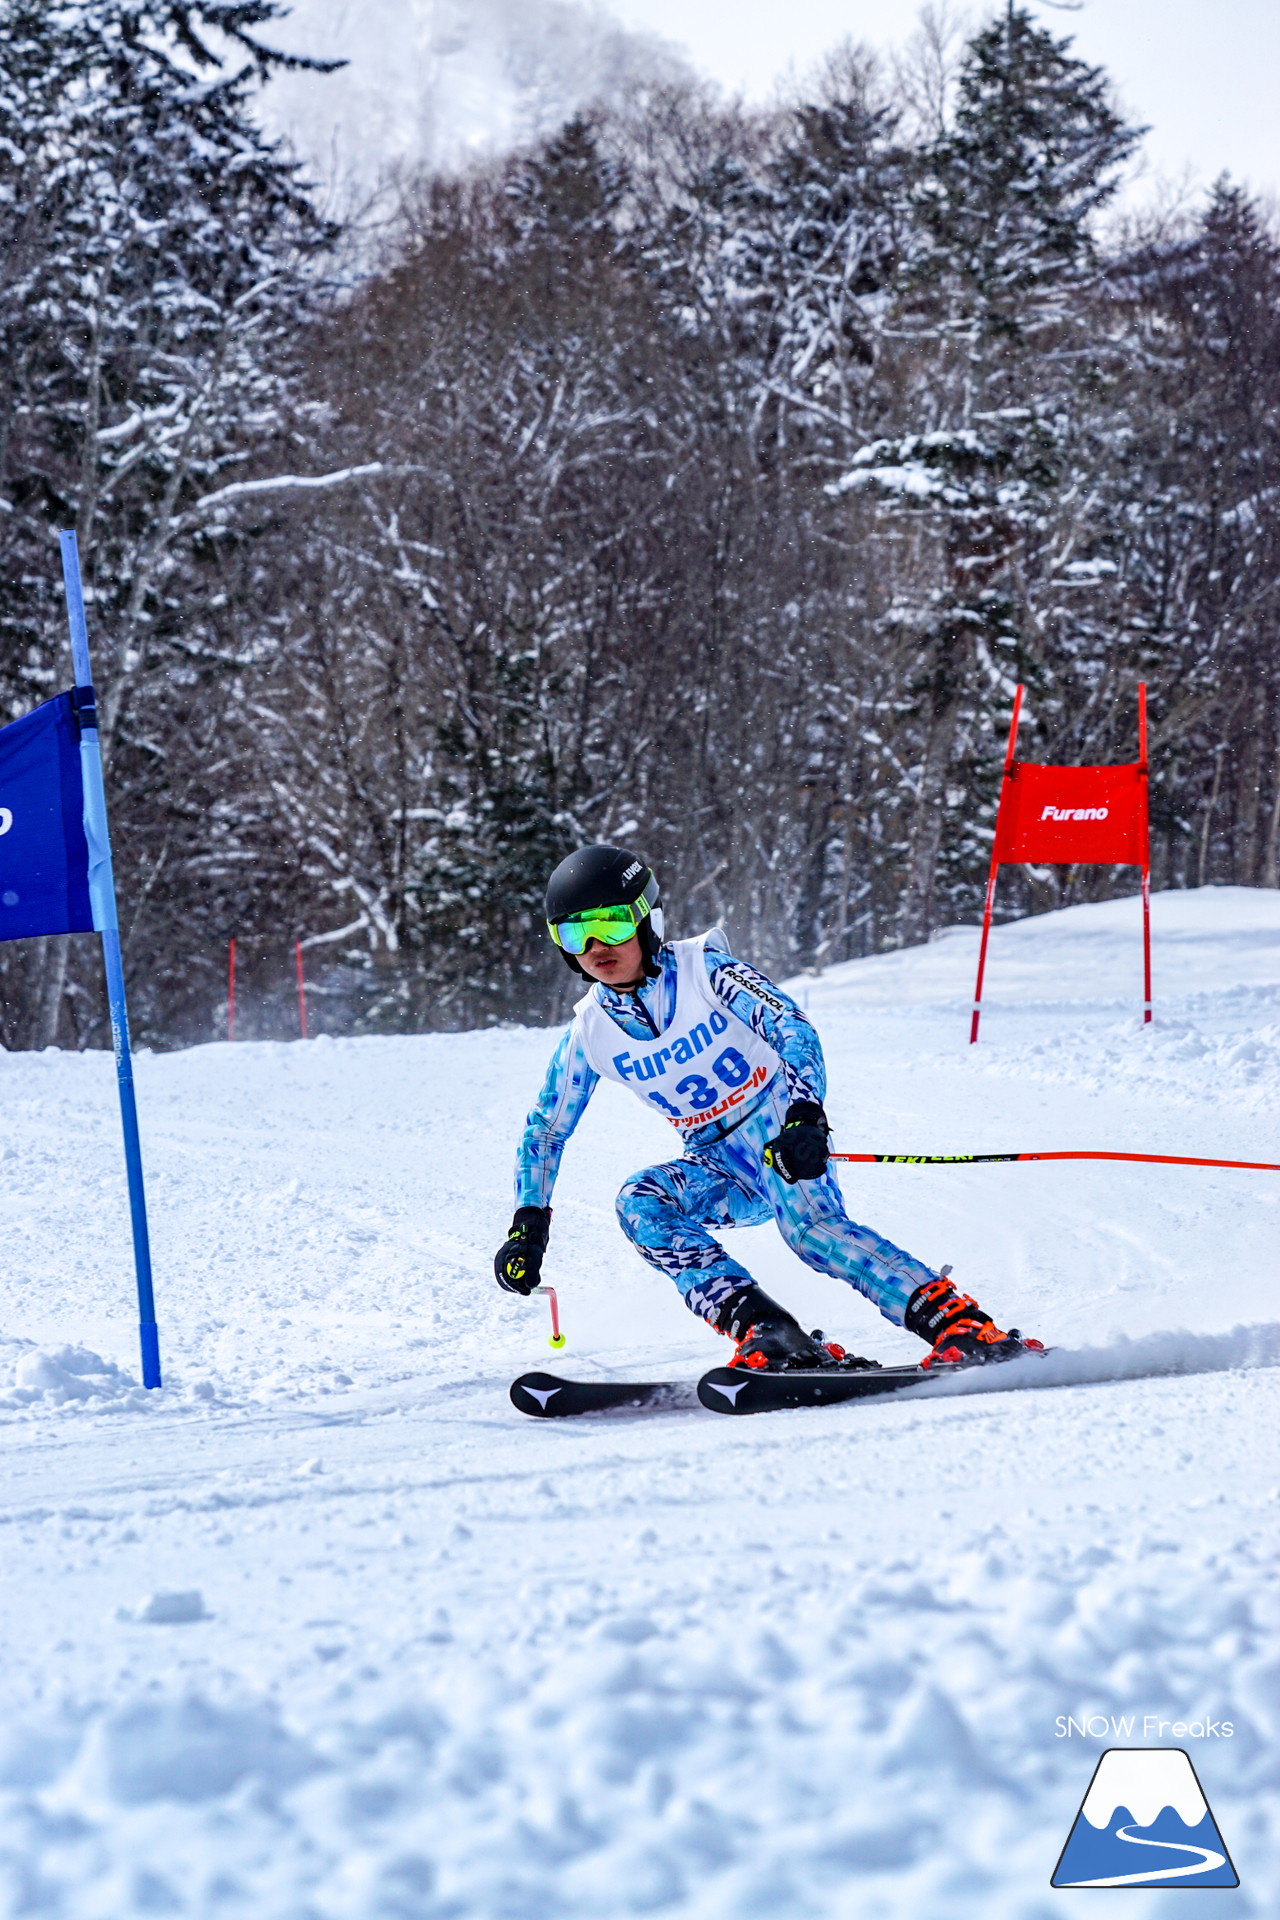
(1193, 497)
(840, 188)
(996, 295)
(1009, 192)
(154, 251)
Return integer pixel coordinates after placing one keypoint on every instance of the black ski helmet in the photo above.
(607, 877)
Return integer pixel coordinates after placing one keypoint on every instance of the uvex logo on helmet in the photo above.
(631, 872)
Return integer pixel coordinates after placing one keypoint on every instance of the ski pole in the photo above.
(555, 1338)
(970, 1159)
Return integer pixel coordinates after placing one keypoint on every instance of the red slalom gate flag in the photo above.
(1069, 816)
(1063, 815)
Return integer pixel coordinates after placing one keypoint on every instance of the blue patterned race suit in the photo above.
(721, 1180)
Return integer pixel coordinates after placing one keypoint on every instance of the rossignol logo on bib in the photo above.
(756, 988)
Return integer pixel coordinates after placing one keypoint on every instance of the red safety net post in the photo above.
(1072, 816)
(995, 866)
(231, 989)
(302, 988)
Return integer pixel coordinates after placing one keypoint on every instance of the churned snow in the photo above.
(326, 1631)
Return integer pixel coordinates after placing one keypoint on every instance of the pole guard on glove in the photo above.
(801, 1150)
(517, 1265)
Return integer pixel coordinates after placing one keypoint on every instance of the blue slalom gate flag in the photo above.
(55, 877)
(44, 850)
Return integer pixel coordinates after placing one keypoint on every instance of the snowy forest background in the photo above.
(699, 478)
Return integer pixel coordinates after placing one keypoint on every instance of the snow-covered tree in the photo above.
(699, 478)
(153, 252)
(996, 301)
(842, 220)
(1193, 497)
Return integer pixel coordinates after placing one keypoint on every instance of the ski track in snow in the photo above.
(326, 1631)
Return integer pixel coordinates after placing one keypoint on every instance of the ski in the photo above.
(743, 1390)
(736, 1390)
(546, 1397)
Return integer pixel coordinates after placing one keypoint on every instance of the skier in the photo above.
(720, 1051)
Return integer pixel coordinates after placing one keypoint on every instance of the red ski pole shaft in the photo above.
(1080, 1153)
(555, 1338)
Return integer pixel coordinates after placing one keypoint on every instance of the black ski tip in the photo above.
(545, 1396)
(536, 1393)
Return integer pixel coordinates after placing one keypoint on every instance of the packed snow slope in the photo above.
(326, 1631)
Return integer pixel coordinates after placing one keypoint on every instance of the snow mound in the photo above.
(174, 1609)
(77, 1380)
(1173, 1058)
(67, 1376)
(1206, 943)
(185, 1750)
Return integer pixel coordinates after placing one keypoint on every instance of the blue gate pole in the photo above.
(102, 896)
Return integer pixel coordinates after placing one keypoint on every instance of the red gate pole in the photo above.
(1146, 855)
(991, 879)
(1146, 946)
(302, 988)
(231, 989)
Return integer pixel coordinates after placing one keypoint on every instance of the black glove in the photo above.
(517, 1265)
(800, 1151)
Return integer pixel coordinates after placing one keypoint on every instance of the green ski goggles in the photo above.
(612, 926)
